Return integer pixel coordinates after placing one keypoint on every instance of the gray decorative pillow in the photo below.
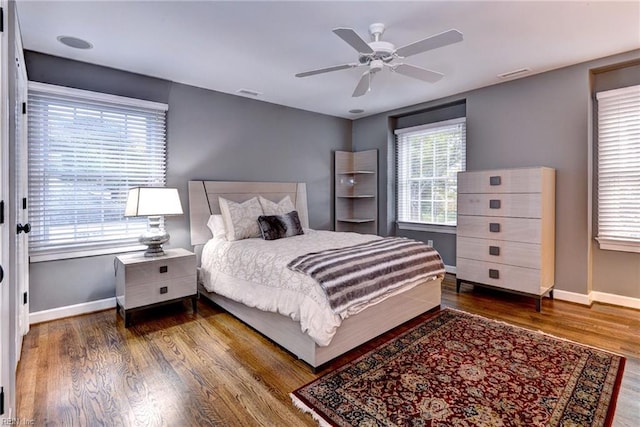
(278, 226)
(240, 219)
(284, 206)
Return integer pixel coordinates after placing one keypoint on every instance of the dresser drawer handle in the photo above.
(494, 204)
(494, 227)
(164, 290)
(164, 269)
(494, 250)
(495, 180)
(494, 274)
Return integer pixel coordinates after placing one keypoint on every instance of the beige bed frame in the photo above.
(354, 331)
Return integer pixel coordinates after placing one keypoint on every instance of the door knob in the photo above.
(26, 228)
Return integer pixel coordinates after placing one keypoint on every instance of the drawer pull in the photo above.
(494, 274)
(495, 180)
(494, 204)
(164, 290)
(494, 227)
(164, 269)
(494, 250)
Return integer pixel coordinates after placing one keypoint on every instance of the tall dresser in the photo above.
(506, 230)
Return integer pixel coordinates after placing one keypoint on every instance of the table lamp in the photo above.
(153, 202)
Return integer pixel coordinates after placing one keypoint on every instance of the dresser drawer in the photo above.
(500, 204)
(511, 229)
(525, 180)
(500, 275)
(142, 294)
(498, 251)
(159, 270)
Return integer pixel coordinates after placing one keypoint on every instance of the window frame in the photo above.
(124, 108)
(606, 238)
(399, 133)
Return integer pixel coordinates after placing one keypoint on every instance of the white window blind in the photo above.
(429, 158)
(85, 151)
(619, 169)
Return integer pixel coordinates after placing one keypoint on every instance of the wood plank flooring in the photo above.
(173, 367)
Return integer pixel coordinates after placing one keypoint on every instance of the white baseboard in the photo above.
(450, 269)
(71, 310)
(572, 297)
(615, 299)
(597, 296)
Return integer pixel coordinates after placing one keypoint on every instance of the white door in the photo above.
(21, 192)
(7, 374)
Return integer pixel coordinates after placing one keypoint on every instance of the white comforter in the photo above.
(254, 272)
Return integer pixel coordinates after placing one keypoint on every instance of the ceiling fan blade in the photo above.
(327, 70)
(417, 72)
(433, 42)
(353, 39)
(364, 84)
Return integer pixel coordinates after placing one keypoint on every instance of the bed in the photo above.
(353, 331)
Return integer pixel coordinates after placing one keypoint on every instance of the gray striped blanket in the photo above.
(356, 274)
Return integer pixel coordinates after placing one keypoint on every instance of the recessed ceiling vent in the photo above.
(356, 111)
(515, 73)
(74, 42)
(248, 92)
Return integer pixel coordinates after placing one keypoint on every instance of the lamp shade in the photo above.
(153, 201)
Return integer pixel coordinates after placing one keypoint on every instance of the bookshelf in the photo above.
(356, 191)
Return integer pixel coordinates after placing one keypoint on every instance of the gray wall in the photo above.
(211, 135)
(542, 120)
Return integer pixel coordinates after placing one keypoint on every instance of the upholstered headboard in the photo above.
(203, 200)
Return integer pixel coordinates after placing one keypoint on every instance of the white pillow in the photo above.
(216, 225)
(283, 207)
(240, 219)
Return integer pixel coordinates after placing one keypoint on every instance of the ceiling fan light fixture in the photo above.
(74, 42)
(378, 54)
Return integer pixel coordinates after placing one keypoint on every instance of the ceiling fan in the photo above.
(378, 54)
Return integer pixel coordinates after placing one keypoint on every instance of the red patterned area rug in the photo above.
(458, 369)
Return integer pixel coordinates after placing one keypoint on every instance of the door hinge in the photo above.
(25, 298)
(1, 27)
(24, 108)
(24, 203)
(2, 212)
(1, 400)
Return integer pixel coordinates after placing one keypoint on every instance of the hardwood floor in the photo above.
(173, 367)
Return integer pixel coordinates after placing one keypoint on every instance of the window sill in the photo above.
(414, 226)
(83, 253)
(618, 245)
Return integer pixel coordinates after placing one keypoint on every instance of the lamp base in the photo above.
(154, 238)
(154, 250)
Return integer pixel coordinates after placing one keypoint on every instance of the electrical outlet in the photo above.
(430, 243)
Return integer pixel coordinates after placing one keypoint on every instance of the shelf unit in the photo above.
(356, 191)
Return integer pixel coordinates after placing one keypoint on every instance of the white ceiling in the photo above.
(260, 46)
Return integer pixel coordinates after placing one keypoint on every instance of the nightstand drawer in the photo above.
(142, 294)
(160, 269)
(142, 281)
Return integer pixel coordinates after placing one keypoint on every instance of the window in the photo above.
(85, 151)
(619, 169)
(428, 160)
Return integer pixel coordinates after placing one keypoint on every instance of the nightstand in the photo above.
(142, 282)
